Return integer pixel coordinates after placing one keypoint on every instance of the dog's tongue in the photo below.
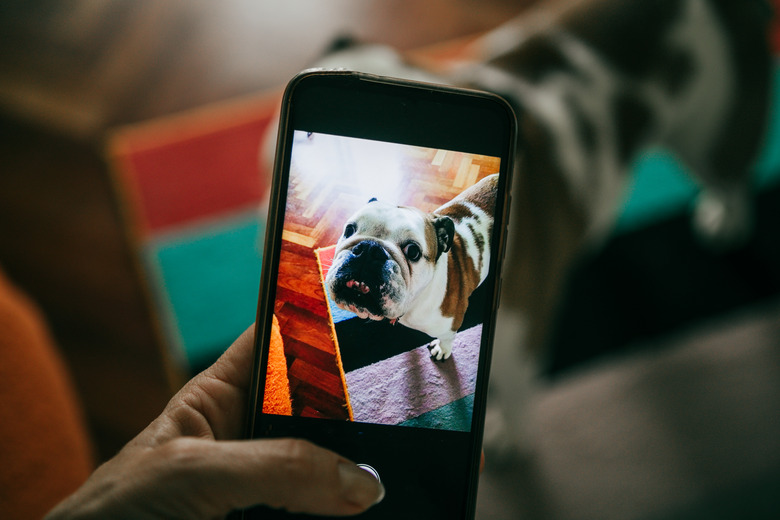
(359, 286)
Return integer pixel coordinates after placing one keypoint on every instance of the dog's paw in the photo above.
(504, 447)
(723, 219)
(437, 352)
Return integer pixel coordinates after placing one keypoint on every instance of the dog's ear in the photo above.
(445, 233)
(372, 199)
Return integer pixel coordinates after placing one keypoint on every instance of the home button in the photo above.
(371, 470)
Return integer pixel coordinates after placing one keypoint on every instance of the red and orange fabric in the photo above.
(45, 451)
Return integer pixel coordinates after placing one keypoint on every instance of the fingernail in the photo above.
(359, 486)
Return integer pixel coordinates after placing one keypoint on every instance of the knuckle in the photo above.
(303, 464)
(182, 455)
(298, 457)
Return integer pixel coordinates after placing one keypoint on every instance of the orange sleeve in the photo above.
(45, 452)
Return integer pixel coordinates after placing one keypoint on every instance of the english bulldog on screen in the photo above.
(415, 268)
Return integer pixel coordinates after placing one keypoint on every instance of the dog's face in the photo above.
(385, 256)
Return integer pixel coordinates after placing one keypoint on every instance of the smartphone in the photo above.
(380, 282)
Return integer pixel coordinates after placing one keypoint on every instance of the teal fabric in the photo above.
(768, 165)
(210, 279)
(453, 416)
(660, 186)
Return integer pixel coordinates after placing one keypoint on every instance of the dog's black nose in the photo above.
(370, 250)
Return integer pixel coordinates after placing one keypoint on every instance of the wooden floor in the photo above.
(321, 200)
(70, 72)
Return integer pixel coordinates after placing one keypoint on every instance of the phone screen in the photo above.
(379, 304)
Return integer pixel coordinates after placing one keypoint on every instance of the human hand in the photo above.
(189, 463)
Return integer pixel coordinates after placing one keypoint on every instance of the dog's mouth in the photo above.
(363, 300)
(361, 287)
(363, 282)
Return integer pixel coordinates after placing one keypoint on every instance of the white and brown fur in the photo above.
(468, 260)
(373, 277)
(595, 82)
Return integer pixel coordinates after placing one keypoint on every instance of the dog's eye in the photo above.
(349, 230)
(412, 251)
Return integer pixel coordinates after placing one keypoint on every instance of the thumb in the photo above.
(289, 474)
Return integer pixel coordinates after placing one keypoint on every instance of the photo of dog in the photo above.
(418, 269)
(389, 244)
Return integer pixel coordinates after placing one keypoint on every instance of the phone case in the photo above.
(388, 221)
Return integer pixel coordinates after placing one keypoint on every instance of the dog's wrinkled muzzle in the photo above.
(371, 251)
(367, 262)
(362, 279)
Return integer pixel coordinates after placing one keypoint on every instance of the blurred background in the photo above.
(663, 400)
